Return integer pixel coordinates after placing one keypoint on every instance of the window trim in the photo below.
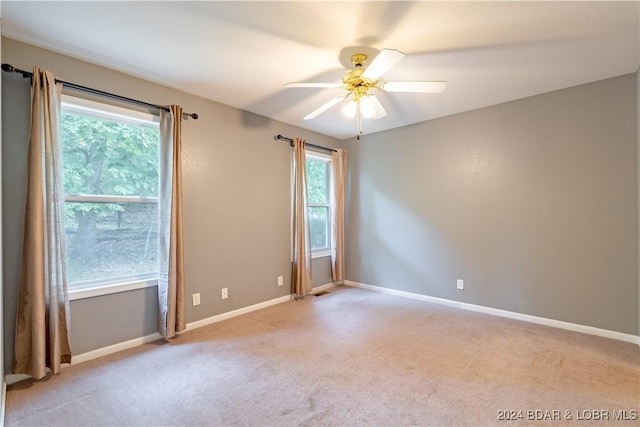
(105, 288)
(96, 198)
(102, 110)
(323, 252)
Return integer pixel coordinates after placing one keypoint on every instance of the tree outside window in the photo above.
(111, 187)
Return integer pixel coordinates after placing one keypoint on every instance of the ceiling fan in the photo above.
(360, 82)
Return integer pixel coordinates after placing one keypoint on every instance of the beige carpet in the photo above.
(350, 357)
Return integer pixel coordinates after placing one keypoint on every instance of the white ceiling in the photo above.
(241, 53)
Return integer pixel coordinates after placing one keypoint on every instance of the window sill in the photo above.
(323, 254)
(111, 288)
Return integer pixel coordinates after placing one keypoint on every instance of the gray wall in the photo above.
(236, 189)
(533, 203)
(638, 175)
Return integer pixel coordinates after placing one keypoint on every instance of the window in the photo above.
(319, 202)
(110, 159)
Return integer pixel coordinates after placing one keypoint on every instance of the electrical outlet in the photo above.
(196, 299)
(460, 284)
(280, 281)
(224, 294)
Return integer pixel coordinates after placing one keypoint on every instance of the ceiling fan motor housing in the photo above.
(353, 80)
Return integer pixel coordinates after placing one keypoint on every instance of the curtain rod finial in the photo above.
(193, 116)
(8, 68)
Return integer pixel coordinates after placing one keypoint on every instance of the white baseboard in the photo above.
(234, 313)
(249, 309)
(15, 378)
(94, 354)
(190, 326)
(503, 313)
(322, 288)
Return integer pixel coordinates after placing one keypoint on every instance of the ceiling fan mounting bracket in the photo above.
(358, 59)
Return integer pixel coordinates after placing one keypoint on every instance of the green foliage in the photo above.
(106, 157)
(317, 179)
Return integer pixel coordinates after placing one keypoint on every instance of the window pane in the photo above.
(109, 240)
(108, 158)
(317, 173)
(319, 227)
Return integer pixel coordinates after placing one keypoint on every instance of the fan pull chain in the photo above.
(359, 120)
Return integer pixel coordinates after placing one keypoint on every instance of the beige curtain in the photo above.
(170, 253)
(301, 274)
(42, 337)
(339, 163)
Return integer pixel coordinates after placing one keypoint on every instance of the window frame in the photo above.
(92, 288)
(325, 158)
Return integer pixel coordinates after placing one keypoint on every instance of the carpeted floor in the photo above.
(349, 357)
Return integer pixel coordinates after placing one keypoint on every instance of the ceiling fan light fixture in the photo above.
(367, 108)
(350, 108)
(364, 106)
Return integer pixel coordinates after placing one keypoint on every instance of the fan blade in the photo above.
(325, 107)
(321, 85)
(379, 111)
(423, 87)
(386, 59)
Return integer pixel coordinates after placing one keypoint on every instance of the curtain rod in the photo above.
(290, 141)
(27, 75)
